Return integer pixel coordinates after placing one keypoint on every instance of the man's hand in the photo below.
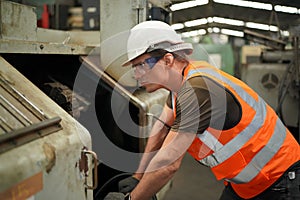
(115, 196)
(128, 184)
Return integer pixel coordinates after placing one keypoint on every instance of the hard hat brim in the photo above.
(187, 47)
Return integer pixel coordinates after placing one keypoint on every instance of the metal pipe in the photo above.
(296, 60)
(297, 78)
(114, 84)
(277, 56)
(122, 91)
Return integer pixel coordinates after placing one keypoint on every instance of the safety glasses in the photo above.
(148, 63)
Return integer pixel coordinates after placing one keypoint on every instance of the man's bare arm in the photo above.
(163, 166)
(156, 139)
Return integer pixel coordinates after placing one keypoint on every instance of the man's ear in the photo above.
(169, 59)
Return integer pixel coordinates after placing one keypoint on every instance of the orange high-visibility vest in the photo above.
(253, 154)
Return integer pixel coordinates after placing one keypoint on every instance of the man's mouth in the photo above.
(142, 83)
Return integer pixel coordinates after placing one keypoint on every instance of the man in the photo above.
(215, 117)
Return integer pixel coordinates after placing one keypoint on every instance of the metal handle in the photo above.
(95, 174)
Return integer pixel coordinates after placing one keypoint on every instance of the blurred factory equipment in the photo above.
(91, 14)
(273, 71)
(219, 55)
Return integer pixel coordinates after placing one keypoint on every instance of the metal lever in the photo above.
(95, 174)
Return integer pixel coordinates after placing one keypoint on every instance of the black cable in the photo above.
(283, 89)
(112, 180)
(107, 183)
(115, 178)
(152, 115)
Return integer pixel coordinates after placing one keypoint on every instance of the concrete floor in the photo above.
(194, 181)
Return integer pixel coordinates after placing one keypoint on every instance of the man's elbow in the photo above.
(171, 169)
(174, 167)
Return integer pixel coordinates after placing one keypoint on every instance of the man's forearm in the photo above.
(163, 166)
(154, 143)
(157, 136)
(143, 191)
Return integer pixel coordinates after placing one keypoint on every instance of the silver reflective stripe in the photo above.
(207, 160)
(244, 136)
(263, 156)
(237, 142)
(238, 89)
(213, 143)
(210, 140)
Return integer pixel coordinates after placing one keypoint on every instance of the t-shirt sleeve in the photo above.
(193, 107)
(169, 101)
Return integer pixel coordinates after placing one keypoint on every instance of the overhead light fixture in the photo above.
(257, 26)
(228, 21)
(216, 30)
(188, 4)
(274, 28)
(196, 22)
(261, 26)
(202, 32)
(193, 33)
(210, 20)
(177, 26)
(232, 32)
(249, 4)
(286, 33)
(286, 9)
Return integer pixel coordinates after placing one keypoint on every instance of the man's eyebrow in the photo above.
(140, 63)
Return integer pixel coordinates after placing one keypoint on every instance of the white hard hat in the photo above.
(151, 35)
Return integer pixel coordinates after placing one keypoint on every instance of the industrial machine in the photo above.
(44, 152)
(61, 108)
(272, 70)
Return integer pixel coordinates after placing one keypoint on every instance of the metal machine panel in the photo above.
(20, 34)
(48, 165)
(265, 79)
(17, 22)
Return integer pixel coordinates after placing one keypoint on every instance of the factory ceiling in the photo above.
(213, 13)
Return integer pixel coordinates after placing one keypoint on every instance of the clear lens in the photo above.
(140, 68)
(149, 63)
(152, 61)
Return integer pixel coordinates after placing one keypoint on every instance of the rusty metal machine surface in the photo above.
(21, 121)
(40, 144)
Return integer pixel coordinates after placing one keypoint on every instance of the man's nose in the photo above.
(138, 73)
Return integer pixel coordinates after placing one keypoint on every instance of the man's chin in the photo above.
(148, 88)
(151, 89)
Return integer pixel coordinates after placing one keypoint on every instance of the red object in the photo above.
(44, 21)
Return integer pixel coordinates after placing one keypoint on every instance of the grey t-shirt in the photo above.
(201, 103)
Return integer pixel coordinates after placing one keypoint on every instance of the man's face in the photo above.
(148, 72)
